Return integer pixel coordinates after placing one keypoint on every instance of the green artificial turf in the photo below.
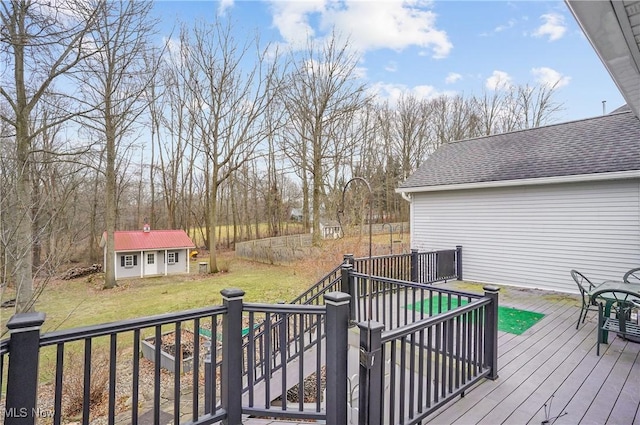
(511, 320)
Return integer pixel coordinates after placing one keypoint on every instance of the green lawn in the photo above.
(82, 301)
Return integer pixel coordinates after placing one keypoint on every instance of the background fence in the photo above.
(284, 249)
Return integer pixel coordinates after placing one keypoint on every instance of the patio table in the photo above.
(606, 291)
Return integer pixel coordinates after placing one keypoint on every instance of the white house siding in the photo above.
(534, 235)
(127, 272)
(160, 258)
(181, 265)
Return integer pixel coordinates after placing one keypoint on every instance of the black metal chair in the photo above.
(621, 302)
(632, 276)
(585, 286)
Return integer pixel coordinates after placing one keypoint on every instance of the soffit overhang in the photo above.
(613, 29)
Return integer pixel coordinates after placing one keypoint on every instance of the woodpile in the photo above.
(76, 272)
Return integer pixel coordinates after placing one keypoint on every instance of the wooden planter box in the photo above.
(167, 360)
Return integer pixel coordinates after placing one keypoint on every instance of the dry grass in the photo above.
(331, 252)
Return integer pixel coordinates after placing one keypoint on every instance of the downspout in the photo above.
(408, 198)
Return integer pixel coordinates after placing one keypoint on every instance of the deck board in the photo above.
(538, 380)
(553, 364)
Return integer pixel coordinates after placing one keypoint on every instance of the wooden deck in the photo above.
(551, 372)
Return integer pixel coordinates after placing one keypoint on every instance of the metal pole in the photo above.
(208, 378)
(369, 267)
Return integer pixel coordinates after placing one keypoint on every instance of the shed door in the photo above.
(151, 263)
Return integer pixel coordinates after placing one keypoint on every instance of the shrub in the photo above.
(73, 381)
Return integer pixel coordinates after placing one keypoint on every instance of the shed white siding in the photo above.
(534, 235)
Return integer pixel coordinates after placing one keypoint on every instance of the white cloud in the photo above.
(359, 72)
(498, 80)
(550, 77)
(554, 27)
(224, 5)
(368, 24)
(510, 24)
(292, 20)
(452, 78)
(391, 93)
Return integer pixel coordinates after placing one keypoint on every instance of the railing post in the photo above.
(348, 286)
(491, 324)
(414, 265)
(348, 259)
(370, 383)
(231, 377)
(209, 380)
(22, 377)
(459, 262)
(337, 322)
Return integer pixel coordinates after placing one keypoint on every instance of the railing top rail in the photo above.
(417, 285)
(382, 257)
(76, 334)
(423, 253)
(4, 346)
(284, 308)
(313, 288)
(435, 251)
(411, 328)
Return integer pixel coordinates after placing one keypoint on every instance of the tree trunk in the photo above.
(24, 229)
(317, 183)
(213, 205)
(111, 208)
(93, 255)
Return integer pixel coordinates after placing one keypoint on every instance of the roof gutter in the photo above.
(618, 175)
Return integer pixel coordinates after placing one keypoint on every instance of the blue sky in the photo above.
(434, 47)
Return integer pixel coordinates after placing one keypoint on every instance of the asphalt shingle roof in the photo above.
(609, 143)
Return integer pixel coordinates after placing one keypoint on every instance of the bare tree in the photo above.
(409, 128)
(40, 42)
(115, 83)
(228, 105)
(323, 92)
(176, 156)
(536, 104)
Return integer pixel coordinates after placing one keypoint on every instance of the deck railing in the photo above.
(210, 388)
(409, 371)
(420, 267)
(429, 335)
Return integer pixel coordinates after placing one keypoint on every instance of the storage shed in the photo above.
(141, 253)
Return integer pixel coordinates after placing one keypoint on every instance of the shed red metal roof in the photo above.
(138, 240)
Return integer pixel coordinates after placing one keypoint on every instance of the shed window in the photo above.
(128, 261)
(151, 258)
(172, 257)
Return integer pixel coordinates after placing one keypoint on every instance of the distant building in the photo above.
(330, 229)
(296, 214)
(142, 253)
